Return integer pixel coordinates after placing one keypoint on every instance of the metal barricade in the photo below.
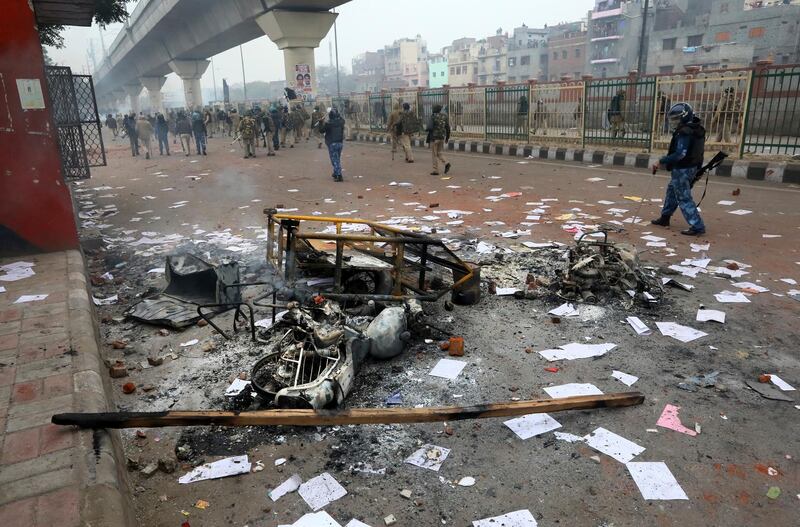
(507, 111)
(467, 109)
(718, 98)
(772, 114)
(358, 111)
(556, 112)
(427, 100)
(619, 112)
(380, 107)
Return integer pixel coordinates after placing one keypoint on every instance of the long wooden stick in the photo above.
(355, 416)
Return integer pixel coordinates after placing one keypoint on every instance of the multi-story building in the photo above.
(722, 34)
(462, 62)
(566, 51)
(527, 54)
(406, 60)
(493, 59)
(369, 70)
(437, 69)
(614, 33)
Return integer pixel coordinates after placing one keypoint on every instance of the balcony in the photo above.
(596, 15)
(605, 38)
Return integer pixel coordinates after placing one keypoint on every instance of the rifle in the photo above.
(711, 165)
(237, 138)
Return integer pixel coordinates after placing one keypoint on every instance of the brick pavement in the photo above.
(50, 363)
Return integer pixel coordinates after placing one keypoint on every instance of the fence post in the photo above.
(584, 106)
(369, 110)
(656, 102)
(756, 84)
(531, 103)
(485, 115)
(446, 97)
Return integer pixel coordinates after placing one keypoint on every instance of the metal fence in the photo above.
(744, 111)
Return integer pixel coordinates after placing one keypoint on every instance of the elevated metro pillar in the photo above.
(153, 86)
(297, 33)
(133, 91)
(190, 72)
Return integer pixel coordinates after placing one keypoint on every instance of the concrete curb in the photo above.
(104, 495)
(754, 170)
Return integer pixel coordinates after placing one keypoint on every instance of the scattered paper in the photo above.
(699, 247)
(750, 287)
(429, 456)
(230, 466)
(669, 419)
(655, 481)
(288, 486)
(564, 310)
(638, 326)
(725, 202)
(532, 425)
(315, 519)
(16, 271)
(505, 291)
(679, 332)
(740, 212)
(189, 343)
(236, 387)
(356, 523)
(29, 298)
(705, 315)
(522, 518)
(318, 492)
(572, 389)
(613, 445)
(577, 351)
(780, 383)
(105, 301)
(624, 378)
(728, 297)
(447, 368)
(569, 438)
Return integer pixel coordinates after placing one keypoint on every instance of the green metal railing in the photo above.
(507, 111)
(772, 114)
(619, 112)
(380, 106)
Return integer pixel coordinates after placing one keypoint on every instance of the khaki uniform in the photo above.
(144, 131)
(247, 132)
(394, 119)
(726, 117)
(316, 117)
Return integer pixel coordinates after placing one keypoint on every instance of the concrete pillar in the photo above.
(133, 91)
(153, 86)
(190, 72)
(297, 34)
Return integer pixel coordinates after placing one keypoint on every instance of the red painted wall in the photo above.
(35, 204)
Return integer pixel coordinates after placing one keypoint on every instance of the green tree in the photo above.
(105, 12)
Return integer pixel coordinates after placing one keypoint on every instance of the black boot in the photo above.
(662, 221)
(691, 231)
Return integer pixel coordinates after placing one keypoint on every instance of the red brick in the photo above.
(8, 342)
(54, 350)
(58, 296)
(25, 392)
(56, 385)
(9, 315)
(30, 354)
(7, 375)
(20, 512)
(19, 446)
(43, 322)
(59, 508)
(55, 437)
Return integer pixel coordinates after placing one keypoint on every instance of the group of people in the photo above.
(403, 124)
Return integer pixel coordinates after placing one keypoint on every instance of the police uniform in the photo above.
(247, 133)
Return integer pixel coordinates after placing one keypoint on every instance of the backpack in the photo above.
(439, 130)
(409, 123)
(196, 116)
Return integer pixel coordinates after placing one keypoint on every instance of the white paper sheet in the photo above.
(569, 438)
(691, 272)
(651, 238)
(290, 485)
(699, 247)
(315, 519)
(575, 350)
(189, 343)
(679, 332)
(729, 297)
(230, 466)
(780, 383)
(725, 202)
(697, 262)
(448, 368)
(522, 518)
(740, 212)
(267, 322)
(356, 523)
(572, 389)
(24, 299)
(505, 291)
(705, 315)
(564, 310)
(105, 301)
(613, 445)
(655, 481)
(16, 271)
(638, 326)
(318, 492)
(751, 285)
(2, 289)
(429, 456)
(532, 425)
(236, 387)
(625, 378)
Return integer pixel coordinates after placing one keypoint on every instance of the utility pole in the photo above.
(336, 41)
(642, 58)
(244, 80)
(214, 79)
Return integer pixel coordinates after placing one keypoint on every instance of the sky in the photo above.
(362, 25)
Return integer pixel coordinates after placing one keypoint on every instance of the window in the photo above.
(512, 61)
(723, 36)
(564, 54)
(577, 53)
(555, 55)
(474, 70)
(525, 60)
(665, 70)
(668, 43)
(512, 79)
(756, 32)
(452, 70)
(434, 75)
(694, 40)
(723, 7)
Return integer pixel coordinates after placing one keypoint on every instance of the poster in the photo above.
(30, 94)
(302, 75)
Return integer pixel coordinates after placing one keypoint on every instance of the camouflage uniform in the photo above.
(247, 132)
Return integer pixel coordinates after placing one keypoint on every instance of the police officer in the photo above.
(684, 159)
(247, 132)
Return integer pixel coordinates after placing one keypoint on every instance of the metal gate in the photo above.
(428, 99)
(772, 113)
(80, 138)
(619, 112)
(380, 106)
(507, 110)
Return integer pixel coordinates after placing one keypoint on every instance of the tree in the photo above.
(105, 12)
(326, 80)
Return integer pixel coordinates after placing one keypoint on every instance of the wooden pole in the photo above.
(355, 416)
